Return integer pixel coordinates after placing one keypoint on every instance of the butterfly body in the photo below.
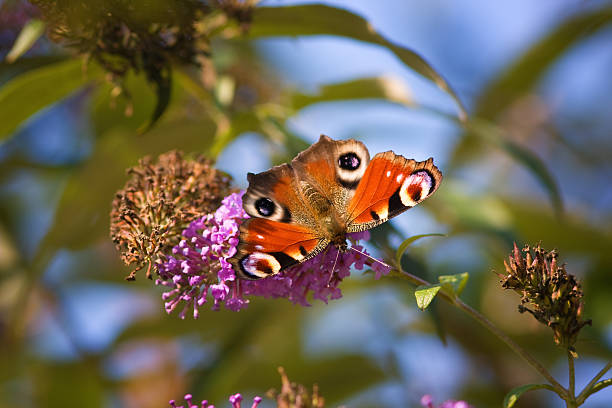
(328, 191)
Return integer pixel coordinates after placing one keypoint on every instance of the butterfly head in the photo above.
(340, 243)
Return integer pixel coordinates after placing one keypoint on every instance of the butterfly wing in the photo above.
(391, 185)
(330, 171)
(267, 247)
(328, 190)
(289, 201)
(274, 238)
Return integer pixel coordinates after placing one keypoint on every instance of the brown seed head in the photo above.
(158, 201)
(548, 292)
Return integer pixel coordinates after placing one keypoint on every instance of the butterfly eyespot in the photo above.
(349, 161)
(415, 188)
(259, 265)
(265, 207)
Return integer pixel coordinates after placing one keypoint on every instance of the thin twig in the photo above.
(514, 346)
(572, 376)
(492, 328)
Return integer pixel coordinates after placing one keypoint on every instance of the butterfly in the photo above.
(329, 190)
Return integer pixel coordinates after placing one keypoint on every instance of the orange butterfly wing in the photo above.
(333, 181)
(270, 246)
(391, 185)
(287, 203)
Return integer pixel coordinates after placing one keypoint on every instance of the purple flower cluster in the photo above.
(199, 266)
(427, 401)
(315, 275)
(235, 400)
(199, 263)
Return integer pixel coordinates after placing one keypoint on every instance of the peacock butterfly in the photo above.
(327, 191)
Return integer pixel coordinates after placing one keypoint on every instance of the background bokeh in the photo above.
(534, 165)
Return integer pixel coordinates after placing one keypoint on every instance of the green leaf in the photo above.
(425, 295)
(317, 19)
(454, 284)
(29, 34)
(28, 93)
(527, 70)
(512, 218)
(194, 88)
(408, 241)
(490, 133)
(521, 76)
(515, 394)
(23, 65)
(163, 91)
(108, 111)
(599, 386)
(52, 381)
(241, 122)
(82, 214)
(388, 88)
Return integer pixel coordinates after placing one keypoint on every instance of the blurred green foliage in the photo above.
(207, 106)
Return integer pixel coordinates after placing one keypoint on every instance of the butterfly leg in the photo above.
(331, 274)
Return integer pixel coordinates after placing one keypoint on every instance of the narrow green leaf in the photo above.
(22, 65)
(388, 88)
(163, 91)
(241, 122)
(508, 217)
(82, 214)
(108, 111)
(515, 394)
(318, 19)
(493, 134)
(454, 284)
(597, 387)
(408, 241)
(29, 34)
(28, 93)
(526, 71)
(193, 87)
(425, 295)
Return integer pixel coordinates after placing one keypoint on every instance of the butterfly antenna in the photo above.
(371, 257)
(331, 275)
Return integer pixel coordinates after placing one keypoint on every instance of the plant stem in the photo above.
(571, 397)
(589, 389)
(572, 375)
(492, 328)
(529, 359)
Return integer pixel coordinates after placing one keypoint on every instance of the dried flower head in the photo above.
(123, 35)
(158, 201)
(294, 395)
(239, 10)
(148, 36)
(548, 292)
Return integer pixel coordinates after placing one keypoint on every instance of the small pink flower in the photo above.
(235, 400)
(427, 401)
